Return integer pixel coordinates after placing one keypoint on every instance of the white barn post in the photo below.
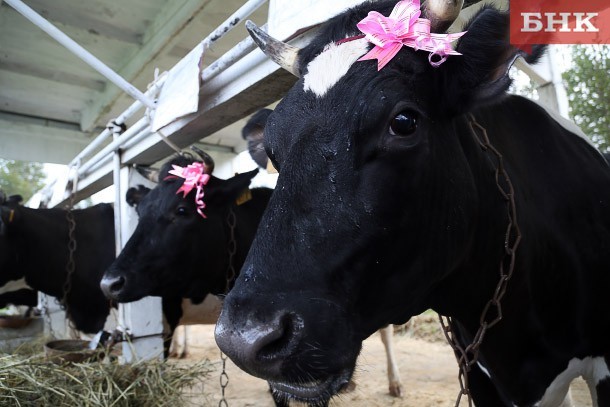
(142, 319)
(546, 74)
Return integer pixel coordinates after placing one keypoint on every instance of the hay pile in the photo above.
(30, 380)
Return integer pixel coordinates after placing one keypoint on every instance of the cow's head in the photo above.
(174, 249)
(374, 203)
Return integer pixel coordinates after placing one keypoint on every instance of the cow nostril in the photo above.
(261, 348)
(112, 285)
(282, 341)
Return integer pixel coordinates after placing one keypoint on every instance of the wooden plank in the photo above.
(169, 22)
(29, 96)
(38, 142)
(38, 45)
(112, 20)
(43, 71)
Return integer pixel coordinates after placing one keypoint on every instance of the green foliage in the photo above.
(20, 177)
(588, 87)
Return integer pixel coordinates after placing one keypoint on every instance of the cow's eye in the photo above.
(181, 211)
(404, 123)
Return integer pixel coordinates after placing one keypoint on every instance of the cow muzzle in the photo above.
(276, 345)
(113, 287)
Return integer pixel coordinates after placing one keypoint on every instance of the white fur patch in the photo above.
(325, 70)
(14, 285)
(592, 369)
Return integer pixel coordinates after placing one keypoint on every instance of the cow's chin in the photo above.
(314, 393)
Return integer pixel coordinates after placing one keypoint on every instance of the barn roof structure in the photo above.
(54, 104)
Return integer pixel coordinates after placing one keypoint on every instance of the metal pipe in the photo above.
(116, 179)
(234, 54)
(122, 118)
(79, 51)
(132, 131)
(240, 50)
(242, 13)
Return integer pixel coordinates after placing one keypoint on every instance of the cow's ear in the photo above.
(14, 199)
(134, 195)
(253, 132)
(227, 191)
(480, 74)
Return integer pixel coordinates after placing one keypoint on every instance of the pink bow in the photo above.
(194, 177)
(404, 28)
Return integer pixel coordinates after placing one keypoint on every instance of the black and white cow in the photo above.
(386, 205)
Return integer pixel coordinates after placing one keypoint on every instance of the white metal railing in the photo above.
(84, 164)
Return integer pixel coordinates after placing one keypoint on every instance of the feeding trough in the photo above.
(15, 321)
(71, 350)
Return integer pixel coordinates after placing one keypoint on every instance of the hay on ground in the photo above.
(31, 380)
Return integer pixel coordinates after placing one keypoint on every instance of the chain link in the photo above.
(231, 273)
(70, 265)
(492, 311)
(224, 381)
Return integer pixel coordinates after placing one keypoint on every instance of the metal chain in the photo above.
(70, 265)
(224, 381)
(492, 312)
(231, 273)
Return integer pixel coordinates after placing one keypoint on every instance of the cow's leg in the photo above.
(172, 311)
(178, 347)
(185, 343)
(567, 401)
(597, 377)
(394, 383)
(482, 389)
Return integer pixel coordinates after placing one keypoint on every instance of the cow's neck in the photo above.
(43, 249)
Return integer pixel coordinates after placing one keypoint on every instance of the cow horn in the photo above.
(149, 173)
(285, 55)
(208, 162)
(441, 13)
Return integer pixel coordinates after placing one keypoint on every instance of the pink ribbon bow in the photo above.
(404, 28)
(194, 177)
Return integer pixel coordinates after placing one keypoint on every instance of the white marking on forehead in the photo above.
(14, 285)
(325, 70)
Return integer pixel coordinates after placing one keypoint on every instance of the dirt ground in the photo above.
(427, 366)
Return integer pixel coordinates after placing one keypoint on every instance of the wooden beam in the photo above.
(96, 17)
(172, 19)
(38, 142)
(44, 72)
(28, 95)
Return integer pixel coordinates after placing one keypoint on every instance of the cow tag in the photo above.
(270, 168)
(244, 197)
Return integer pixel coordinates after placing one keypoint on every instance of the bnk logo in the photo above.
(559, 22)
